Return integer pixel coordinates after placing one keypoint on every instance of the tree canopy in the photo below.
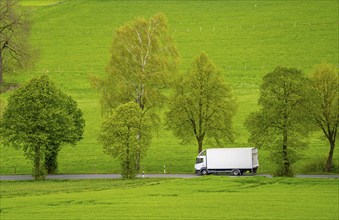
(202, 105)
(143, 61)
(126, 135)
(283, 121)
(39, 118)
(144, 58)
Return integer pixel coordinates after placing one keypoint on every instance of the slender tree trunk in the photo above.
(330, 157)
(38, 169)
(1, 70)
(139, 100)
(286, 161)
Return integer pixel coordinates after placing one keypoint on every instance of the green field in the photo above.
(198, 198)
(245, 39)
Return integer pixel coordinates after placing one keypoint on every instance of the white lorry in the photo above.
(225, 160)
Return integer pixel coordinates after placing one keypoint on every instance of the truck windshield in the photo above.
(202, 153)
(199, 160)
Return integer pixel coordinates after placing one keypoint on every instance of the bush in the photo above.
(318, 165)
(282, 171)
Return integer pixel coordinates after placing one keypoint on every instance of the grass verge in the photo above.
(211, 197)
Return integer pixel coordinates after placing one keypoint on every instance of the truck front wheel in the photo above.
(235, 172)
(203, 172)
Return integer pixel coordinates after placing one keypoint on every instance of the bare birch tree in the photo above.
(14, 32)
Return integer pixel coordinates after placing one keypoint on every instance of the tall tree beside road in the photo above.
(126, 135)
(325, 83)
(39, 118)
(144, 60)
(283, 120)
(14, 33)
(202, 105)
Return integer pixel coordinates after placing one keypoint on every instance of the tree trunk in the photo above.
(38, 169)
(330, 157)
(199, 146)
(286, 161)
(1, 70)
(138, 162)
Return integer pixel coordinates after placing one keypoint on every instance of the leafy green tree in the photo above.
(283, 120)
(202, 105)
(77, 130)
(15, 50)
(126, 135)
(325, 83)
(39, 118)
(144, 59)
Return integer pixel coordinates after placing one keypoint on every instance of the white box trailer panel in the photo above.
(229, 158)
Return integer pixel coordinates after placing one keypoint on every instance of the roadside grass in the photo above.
(211, 197)
(245, 40)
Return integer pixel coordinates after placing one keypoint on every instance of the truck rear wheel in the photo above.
(203, 172)
(235, 172)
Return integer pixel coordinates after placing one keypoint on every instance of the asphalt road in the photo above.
(118, 176)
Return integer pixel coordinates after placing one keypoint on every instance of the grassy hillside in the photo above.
(246, 39)
(202, 198)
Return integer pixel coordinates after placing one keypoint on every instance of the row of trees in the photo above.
(39, 118)
(291, 107)
(143, 65)
(201, 107)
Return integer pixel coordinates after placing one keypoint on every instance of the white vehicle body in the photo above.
(234, 160)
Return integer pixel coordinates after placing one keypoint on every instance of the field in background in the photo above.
(198, 198)
(246, 39)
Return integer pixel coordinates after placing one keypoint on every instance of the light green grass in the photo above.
(200, 198)
(245, 41)
(38, 3)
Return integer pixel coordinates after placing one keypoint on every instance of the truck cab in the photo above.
(200, 163)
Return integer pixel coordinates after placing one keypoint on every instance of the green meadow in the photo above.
(245, 39)
(217, 197)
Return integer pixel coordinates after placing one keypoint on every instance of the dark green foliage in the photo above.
(51, 158)
(283, 121)
(39, 118)
(318, 165)
(202, 106)
(126, 135)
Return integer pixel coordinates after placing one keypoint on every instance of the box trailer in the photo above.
(227, 160)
